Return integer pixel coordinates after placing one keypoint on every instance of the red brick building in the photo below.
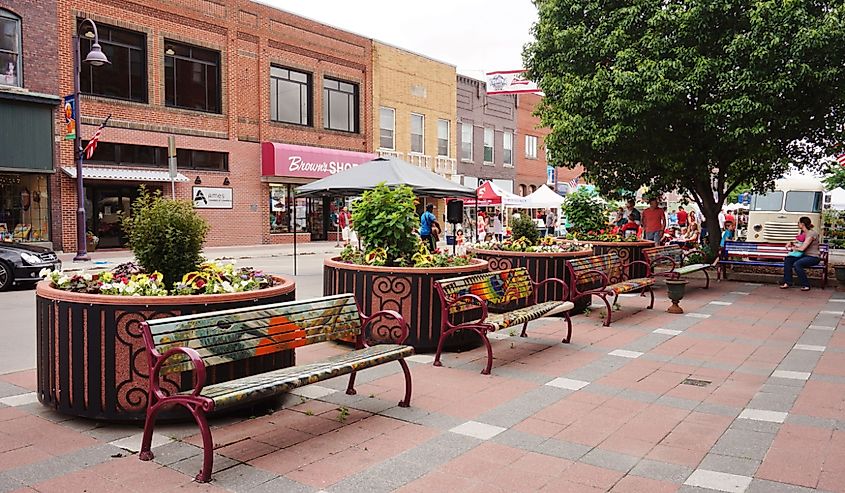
(530, 146)
(227, 78)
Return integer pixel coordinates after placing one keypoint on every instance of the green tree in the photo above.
(701, 96)
(385, 218)
(834, 176)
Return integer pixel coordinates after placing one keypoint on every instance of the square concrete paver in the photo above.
(719, 481)
(809, 347)
(698, 315)
(668, 332)
(624, 353)
(763, 415)
(568, 383)
(421, 358)
(133, 443)
(20, 399)
(474, 429)
(791, 375)
(822, 327)
(313, 391)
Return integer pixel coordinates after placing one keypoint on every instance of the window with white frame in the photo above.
(531, 146)
(10, 49)
(466, 141)
(443, 138)
(489, 136)
(417, 133)
(507, 154)
(387, 127)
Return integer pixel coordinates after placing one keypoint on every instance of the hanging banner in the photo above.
(551, 176)
(69, 109)
(509, 82)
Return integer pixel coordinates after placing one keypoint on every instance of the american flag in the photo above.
(92, 144)
(573, 182)
(841, 159)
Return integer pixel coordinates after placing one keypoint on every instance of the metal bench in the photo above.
(196, 342)
(461, 295)
(670, 261)
(765, 255)
(605, 275)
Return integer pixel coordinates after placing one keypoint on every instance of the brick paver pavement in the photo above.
(743, 393)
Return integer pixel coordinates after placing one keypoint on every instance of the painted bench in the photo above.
(668, 261)
(460, 295)
(765, 255)
(606, 275)
(196, 342)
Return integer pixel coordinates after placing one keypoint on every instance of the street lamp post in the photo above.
(95, 57)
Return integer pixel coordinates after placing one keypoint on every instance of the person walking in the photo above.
(801, 255)
(343, 221)
(498, 228)
(427, 223)
(654, 222)
(682, 217)
(551, 223)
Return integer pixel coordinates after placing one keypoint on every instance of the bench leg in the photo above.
(204, 475)
(350, 389)
(443, 335)
(651, 292)
(609, 317)
(406, 402)
(486, 341)
(707, 276)
(524, 329)
(145, 453)
(568, 328)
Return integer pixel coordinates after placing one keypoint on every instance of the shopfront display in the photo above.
(313, 215)
(24, 208)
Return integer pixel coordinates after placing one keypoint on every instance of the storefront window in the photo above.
(281, 210)
(24, 208)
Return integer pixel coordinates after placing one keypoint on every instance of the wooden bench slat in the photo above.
(495, 288)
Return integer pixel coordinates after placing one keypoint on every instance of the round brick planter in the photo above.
(91, 357)
(407, 290)
(541, 266)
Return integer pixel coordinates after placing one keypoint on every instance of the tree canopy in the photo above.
(701, 96)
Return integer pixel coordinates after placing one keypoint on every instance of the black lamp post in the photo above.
(95, 57)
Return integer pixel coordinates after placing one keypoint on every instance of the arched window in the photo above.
(522, 190)
(10, 49)
(533, 189)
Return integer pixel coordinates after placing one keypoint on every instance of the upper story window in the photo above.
(507, 155)
(417, 133)
(443, 138)
(152, 156)
(387, 128)
(10, 49)
(489, 136)
(126, 76)
(290, 96)
(191, 77)
(531, 146)
(466, 142)
(340, 105)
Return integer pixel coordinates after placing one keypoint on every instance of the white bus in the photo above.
(773, 216)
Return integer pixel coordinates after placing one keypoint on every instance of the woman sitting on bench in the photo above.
(802, 254)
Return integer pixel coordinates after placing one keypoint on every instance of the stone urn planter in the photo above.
(91, 357)
(675, 290)
(541, 266)
(839, 272)
(628, 251)
(407, 290)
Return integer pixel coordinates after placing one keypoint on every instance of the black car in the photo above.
(20, 263)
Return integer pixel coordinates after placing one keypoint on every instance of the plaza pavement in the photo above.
(743, 393)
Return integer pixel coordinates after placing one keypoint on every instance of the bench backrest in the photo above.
(240, 333)
(496, 288)
(773, 251)
(579, 269)
(653, 256)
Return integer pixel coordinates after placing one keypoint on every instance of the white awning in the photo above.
(123, 174)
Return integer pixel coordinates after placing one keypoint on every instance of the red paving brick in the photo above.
(796, 456)
(634, 484)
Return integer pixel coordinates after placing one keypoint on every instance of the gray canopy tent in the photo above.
(390, 171)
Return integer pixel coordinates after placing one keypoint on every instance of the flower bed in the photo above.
(546, 245)
(422, 258)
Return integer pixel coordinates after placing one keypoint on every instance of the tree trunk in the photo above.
(710, 208)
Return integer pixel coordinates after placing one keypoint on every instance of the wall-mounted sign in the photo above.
(212, 198)
(307, 162)
(69, 109)
(551, 176)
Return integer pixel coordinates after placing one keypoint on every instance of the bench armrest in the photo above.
(554, 280)
(664, 258)
(388, 334)
(604, 279)
(625, 268)
(198, 371)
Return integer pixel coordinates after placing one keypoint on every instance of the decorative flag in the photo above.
(92, 144)
(573, 183)
(841, 159)
(69, 109)
(509, 82)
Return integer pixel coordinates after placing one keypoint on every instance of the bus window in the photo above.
(771, 201)
(803, 201)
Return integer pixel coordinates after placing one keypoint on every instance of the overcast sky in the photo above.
(475, 35)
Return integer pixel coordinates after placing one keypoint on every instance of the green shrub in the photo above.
(524, 227)
(165, 235)
(385, 218)
(585, 210)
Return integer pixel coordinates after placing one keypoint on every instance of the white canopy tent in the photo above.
(543, 198)
(837, 198)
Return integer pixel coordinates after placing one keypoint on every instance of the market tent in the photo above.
(490, 194)
(837, 198)
(543, 198)
(390, 171)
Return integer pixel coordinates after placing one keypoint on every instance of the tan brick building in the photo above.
(259, 101)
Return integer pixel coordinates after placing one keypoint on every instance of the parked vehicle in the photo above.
(773, 216)
(21, 263)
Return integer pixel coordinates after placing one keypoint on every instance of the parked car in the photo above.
(21, 263)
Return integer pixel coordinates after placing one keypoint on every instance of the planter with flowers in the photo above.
(544, 258)
(394, 270)
(91, 359)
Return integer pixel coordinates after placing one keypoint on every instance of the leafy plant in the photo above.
(165, 235)
(385, 219)
(523, 227)
(585, 210)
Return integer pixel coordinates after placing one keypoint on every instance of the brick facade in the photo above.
(530, 171)
(250, 38)
(481, 111)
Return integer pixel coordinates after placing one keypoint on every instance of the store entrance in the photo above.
(105, 208)
(318, 218)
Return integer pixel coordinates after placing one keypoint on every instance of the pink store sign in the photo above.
(307, 162)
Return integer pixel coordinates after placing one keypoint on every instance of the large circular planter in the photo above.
(628, 251)
(541, 266)
(91, 357)
(407, 290)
